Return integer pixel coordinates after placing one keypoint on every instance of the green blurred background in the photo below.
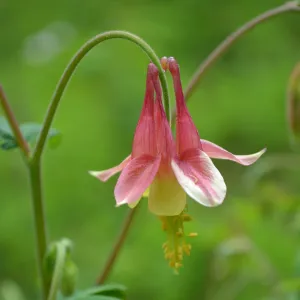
(248, 248)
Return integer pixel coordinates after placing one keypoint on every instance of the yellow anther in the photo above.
(179, 233)
(192, 234)
(178, 265)
(180, 257)
(172, 264)
(168, 255)
(176, 245)
(187, 249)
(186, 218)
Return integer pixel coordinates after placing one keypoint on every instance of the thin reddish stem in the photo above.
(10, 116)
(117, 247)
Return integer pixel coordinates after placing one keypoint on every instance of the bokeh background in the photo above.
(248, 248)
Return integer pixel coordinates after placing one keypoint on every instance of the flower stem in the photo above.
(117, 247)
(39, 220)
(229, 41)
(13, 123)
(66, 76)
(35, 181)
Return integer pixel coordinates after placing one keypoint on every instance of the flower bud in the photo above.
(69, 277)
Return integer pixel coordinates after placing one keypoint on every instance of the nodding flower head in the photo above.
(148, 167)
(166, 168)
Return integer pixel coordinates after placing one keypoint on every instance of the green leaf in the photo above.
(7, 140)
(8, 144)
(112, 290)
(5, 132)
(86, 297)
(30, 132)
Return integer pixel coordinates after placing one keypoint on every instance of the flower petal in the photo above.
(144, 141)
(135, 178)
(145, 195)
(164, 138)
(166, 197)
(215, 151)
(187, 136)
(200, 179)
(106, 174)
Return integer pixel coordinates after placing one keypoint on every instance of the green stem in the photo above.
(117, 247)
(35, 181)
(230, 40)
(66, 76)
(13, 123)
(39, 220)
(58, 270)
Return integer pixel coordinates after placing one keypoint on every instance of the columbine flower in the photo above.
(169, 170)
(192, 166)
(149, 165)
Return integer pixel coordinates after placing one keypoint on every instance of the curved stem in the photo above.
(117, 247)
(39, 221)
(58, 270)
(13, 123)
(227, 43)
(66, 76)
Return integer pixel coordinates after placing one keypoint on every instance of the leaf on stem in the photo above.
(102, 292)
(30, 132)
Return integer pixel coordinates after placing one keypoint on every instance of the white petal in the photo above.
(200, 179)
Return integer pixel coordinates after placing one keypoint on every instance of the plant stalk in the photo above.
(67, 74)
(39, 221)
(117, 247)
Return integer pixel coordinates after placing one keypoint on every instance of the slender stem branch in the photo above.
(35, 181)
(230, 40)
(13, 123)
(66, 76)
(117, 247)
(39, 221)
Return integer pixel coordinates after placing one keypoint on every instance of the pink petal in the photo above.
(215, 151)
(144, 141)
(164, 137)
(187, 136)
(106, 174)
(200, 179)
(136, 178)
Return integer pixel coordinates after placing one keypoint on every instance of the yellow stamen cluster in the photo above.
(175, 246)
